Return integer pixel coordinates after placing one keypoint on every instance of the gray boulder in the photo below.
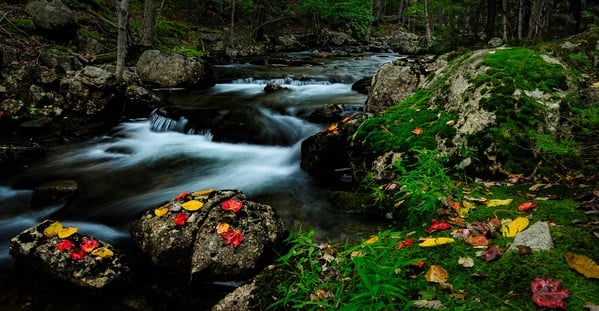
(174, 71)
(53, 18)
(209, 243)
(88, 91)
(537, 237)
(101, 267)
(392, 83)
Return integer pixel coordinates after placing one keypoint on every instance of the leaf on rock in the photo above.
(52, 229)
(436, 241)
(66, 232)
(181, 219)
(192, 205)
(437, 225)
(65, 245)
(222, 227)
(181, 196)
(233, 236)
(88, 244)
(102, 252)
(526, 206)
(161, 211)
(583, 264)
(466, 262)
(332, 128)
(232, 205)
(436, 274)
(492, 253)
(202, 193)
(77, 254)
(517, 225)
(549, 293)
(496, 202)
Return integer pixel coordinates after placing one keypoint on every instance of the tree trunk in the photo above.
(520, 18)
(504, 13)
(147, 38)
(576, 8)
(427, 22)
(491, 13)
(121, 50)
(232, 16)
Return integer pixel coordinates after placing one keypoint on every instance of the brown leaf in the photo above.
(436, 274)
(583, 264)
(492, 253)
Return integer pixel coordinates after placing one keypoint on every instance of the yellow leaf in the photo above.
(511, 229)
(102, 252)
(161, 211)
(436, 241)
(583, 264)
(192, 205)
(372, 239)
(436, 274)
(52, 229)
(66, 232)
(222, 227)
(202, 193)
(496, 202)
(595, 85)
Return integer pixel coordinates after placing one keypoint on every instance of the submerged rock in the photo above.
(209, 235)
(53, 192)
(78, 259)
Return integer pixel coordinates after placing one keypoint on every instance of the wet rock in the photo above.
(238, 300)
(273, 87)
(16, 154)
(195, 248)
(392, 83)
(12, 107)
(362, 86)
(326, 114)
(53, 192)
(88, 91)
(35, 250)
(53, 18)
(173, 70)
(537, 237)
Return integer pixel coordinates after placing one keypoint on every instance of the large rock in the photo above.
(174, 71)
(88, 91)
(198, 246)
(44, 253)
(53, 18)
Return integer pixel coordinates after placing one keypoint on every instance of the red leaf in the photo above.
(77, 254)
(65, 245)
(549, 293)
(181, 196)
(232, 205)
(438, 225)
(232, 236)
(492, 253)
(405, 243)
(180, 219)
(526, 206)
(89, 245)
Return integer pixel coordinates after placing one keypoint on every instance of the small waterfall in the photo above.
(282, 81)
(160, 123)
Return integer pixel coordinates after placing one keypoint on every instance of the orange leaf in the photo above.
(477, 241)
(526, 206)
(373, 239)
(436, 274)
(181, 196)
(222, 227)
(583, 264)
(161, 211)
(417, 131)
(333, 128)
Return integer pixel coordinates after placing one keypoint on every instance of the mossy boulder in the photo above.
(489, 112)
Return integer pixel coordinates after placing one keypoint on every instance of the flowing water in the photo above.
(142, 163)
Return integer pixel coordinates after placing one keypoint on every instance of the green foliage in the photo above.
(355, 13)
(189, 51)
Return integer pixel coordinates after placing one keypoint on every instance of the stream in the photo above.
(142, 163)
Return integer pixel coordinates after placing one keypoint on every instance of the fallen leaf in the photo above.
(549, 293)
(161, 211)
(436, 241)
(466, 262)
(65, 245)
(417, 131)
(181, 219)
(526, 206)
(517, 225)
(88, 244)
(232, 205)
(419, 264)
(347, 119)
(477, 240)
(436, 274)
(460, 233)
(52, 229)
(497, 202)
(202, 193)
(583, 264)
(535, 187)
(102, 252)
(595, 85)
(77, 254)
(66, 232)
(492, 253)
(428, 304)
(232, 236)
(405, 243)
(332, 128)
(181, 196)
(192, 205)
(321, 294)
(591, 307)
(373, 239)
(222, 227)
(437, 225)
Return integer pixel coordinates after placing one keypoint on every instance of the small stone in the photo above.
(537, 237)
